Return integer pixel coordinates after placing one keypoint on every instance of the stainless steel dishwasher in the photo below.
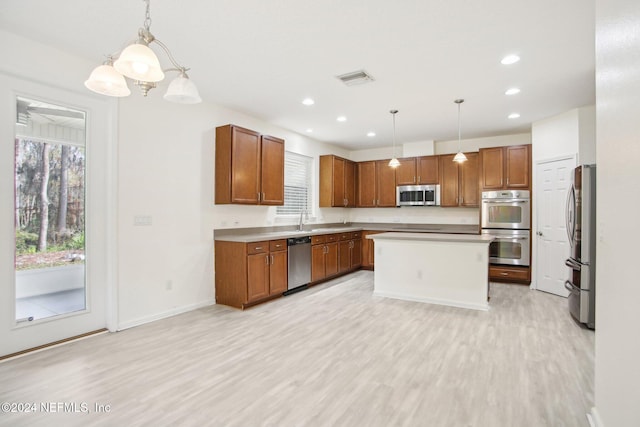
(299, 263)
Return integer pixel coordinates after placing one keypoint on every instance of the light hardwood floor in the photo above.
(333, 355)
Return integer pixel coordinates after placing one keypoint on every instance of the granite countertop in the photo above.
(248, 235)
(434, 237)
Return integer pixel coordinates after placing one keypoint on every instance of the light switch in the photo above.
(140, 220)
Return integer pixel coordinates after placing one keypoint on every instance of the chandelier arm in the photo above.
(171, 58)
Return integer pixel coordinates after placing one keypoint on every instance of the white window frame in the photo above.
(294, 178)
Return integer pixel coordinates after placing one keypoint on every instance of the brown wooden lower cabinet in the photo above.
(501, 273)
(335, 254)
(368, 250)
(248, 273)
(324, 257)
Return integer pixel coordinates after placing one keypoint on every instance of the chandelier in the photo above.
(140, 64)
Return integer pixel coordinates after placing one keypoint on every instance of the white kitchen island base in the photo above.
(445, 269)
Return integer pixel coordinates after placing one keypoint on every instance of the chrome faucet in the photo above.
(301, 223)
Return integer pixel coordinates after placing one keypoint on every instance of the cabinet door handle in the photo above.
(418, 178)
(414, 179)
(258, 248)
(258, 196)
(266, 260)
(271, 259)
(504, 274)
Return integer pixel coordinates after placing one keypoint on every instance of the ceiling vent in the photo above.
(356, 78)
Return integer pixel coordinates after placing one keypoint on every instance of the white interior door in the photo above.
(37, 122)
(553, 182)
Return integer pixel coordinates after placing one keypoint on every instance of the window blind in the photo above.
(297, 184)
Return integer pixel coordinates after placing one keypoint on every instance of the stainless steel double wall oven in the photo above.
(506, 215)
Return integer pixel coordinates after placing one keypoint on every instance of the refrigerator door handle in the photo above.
(570, 286)
(570, 215)
(571, 263)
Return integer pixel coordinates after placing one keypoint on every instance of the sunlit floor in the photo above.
(47, 305)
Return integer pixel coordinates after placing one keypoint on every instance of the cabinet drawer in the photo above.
(332, 237)
(356, 235)
(278, 245)
(512, 273)
(257, 248)
(316, 240)
(345, 236)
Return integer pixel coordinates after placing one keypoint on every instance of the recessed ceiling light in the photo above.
(514, 115)
(512, 91)
(371, 134)
(341, 119)
(510, 59)
(308, 101)
(309, 130)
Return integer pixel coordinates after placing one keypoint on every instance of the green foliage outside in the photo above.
(27, 242)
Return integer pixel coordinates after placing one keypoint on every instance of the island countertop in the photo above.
(433, 237)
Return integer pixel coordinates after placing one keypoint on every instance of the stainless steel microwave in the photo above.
(418, 195)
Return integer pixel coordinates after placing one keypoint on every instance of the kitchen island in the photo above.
(443, 269)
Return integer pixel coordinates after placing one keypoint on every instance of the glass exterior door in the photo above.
(49, 203)
(57, 214)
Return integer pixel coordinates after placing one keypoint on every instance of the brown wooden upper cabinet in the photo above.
(249, 167)
(337, 182)
(418, 170)
(504, 168)
(459, 181)
(376, 184)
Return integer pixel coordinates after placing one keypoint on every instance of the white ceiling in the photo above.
(262, 57)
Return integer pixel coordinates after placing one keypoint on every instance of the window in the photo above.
(297, 184)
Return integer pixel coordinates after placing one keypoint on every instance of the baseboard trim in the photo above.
(594, 418)
(163, 315)
(52, 344)
(450, 303)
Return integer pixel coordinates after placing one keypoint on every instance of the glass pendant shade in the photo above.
(460, 157)
(138, 62)
(183, 91)
(394, 163)
(105, 80)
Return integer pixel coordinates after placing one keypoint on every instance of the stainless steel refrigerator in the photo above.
(581, 228)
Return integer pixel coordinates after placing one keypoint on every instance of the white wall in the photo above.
(166, 171)
(408, 149)
(567, 135)
(617, 385)
(587, 133)
(475, 144)
(571, 133)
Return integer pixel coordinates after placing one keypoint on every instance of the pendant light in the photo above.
(460, 157)
(394, 163)
(139, 63)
